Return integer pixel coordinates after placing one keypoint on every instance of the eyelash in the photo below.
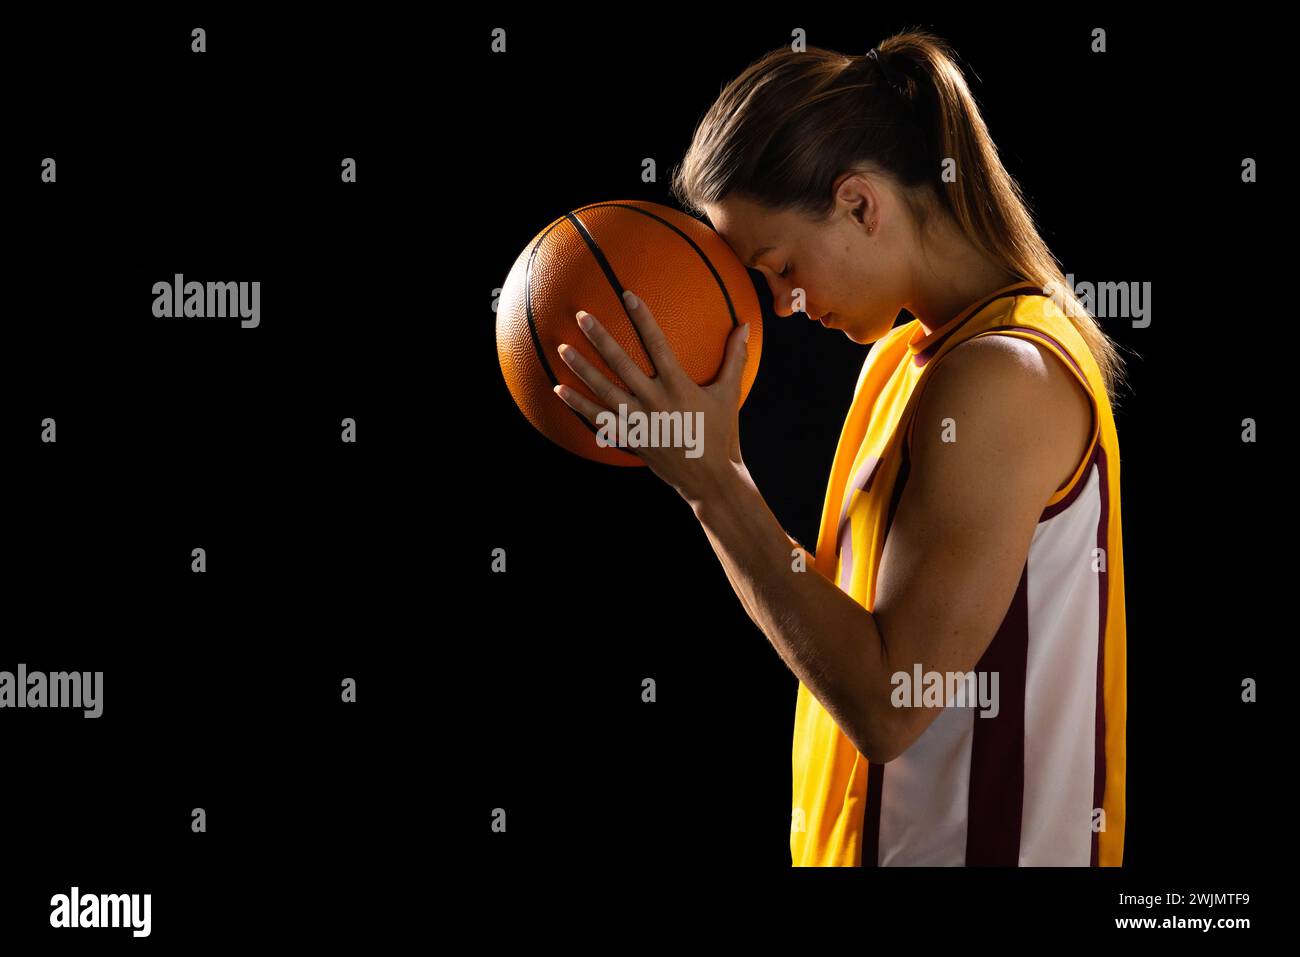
(784, 272)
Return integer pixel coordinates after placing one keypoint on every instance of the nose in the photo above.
(782, 299)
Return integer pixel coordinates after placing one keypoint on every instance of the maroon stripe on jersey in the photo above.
(876, 770)
(904, 469)
(997, 760)
(844, 545)
(1053, 510)
(871, 816)
(1103, 592)
(861, 483)
(844, 548)
(928, 353)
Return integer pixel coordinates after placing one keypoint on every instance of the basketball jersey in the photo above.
(1020, 788)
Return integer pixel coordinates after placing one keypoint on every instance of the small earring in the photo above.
(870, 228)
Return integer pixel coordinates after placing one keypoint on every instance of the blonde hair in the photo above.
(781, 132)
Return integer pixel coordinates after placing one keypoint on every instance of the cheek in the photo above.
(871, 283)
(849, 274)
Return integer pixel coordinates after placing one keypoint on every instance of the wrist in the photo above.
(727, 491)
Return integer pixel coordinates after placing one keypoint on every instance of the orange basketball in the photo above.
(694, 285)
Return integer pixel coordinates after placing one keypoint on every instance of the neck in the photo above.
(963, 277)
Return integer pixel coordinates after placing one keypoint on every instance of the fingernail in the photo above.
(584, 320)
(630, 299)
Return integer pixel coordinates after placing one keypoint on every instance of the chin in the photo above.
(855, 330)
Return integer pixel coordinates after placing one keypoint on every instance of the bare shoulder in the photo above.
(1010, 388)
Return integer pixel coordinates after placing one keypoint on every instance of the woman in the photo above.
(970, 537)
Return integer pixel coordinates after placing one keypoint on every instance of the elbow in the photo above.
(881, 753)
(887, 733)
(875, 751)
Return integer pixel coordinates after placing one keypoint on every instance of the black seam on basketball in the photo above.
(532, 326)
(731, 308)
(600, 259)
(608, 270)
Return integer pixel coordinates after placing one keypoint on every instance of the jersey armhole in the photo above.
(1041, 340)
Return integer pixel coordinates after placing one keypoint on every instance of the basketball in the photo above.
(693, 284)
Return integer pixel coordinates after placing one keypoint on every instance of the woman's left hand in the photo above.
(698, 469)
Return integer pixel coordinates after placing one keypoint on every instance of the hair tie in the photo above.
(891, 75)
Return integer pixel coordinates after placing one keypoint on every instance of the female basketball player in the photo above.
(960, 639)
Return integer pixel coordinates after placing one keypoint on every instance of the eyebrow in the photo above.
(757, 253)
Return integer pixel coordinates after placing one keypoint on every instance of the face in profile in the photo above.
(852, 280)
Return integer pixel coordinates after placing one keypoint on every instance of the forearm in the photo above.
(827, 639)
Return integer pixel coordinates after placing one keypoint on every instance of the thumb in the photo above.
(733, 366)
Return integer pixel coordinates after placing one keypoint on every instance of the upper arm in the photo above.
(996, 428)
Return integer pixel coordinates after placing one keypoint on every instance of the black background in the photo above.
(522, 691)
(221, 690)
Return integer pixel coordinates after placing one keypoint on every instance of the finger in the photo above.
(590, 411)
(733, 366)
(619, 362)
(600, 386)
(652, 336)
(579, 403)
